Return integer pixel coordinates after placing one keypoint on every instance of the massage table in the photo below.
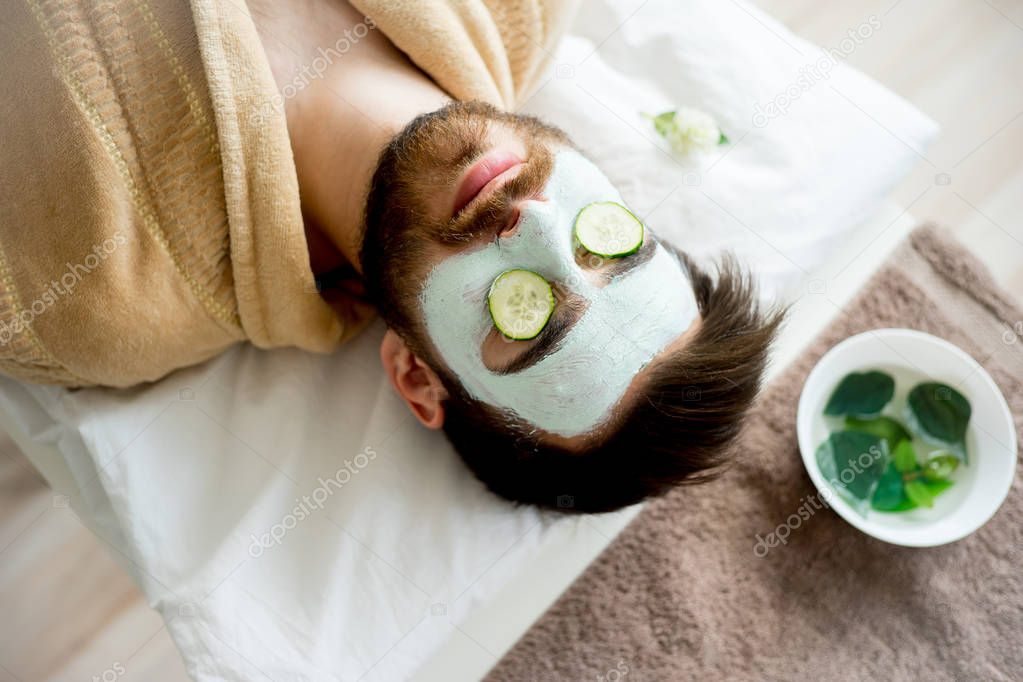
(287, 517)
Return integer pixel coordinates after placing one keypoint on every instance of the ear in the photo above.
(417, 384)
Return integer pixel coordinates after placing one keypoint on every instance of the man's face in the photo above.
(482, 193)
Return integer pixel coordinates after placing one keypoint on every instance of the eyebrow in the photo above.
(620, 266)
(552, 335)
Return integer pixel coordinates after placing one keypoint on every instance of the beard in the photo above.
(402, 237)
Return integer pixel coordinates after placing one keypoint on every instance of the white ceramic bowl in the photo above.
(980, 487)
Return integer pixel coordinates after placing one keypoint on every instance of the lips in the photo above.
(481, 175)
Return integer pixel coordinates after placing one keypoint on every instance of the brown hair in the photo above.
(680, 429)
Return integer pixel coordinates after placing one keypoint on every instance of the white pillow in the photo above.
(815, 145)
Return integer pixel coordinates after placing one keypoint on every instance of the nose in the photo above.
(541, 240)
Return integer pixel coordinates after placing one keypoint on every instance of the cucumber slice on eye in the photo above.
(607, 229)
(520, 303)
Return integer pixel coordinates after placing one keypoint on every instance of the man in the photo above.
(638, 366)
(589, 415)
(639, 380)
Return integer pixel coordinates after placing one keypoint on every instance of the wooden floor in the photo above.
(960, 62)
(68, 612)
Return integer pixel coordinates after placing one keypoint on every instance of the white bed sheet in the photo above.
(403, 561)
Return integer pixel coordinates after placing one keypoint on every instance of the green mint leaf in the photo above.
(885, 427)
(904, 457)
(919, 493)
(853, 462)
(861, 394)
(889, 494)
(940, 414)
(934, 487)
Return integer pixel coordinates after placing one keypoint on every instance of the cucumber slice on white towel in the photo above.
(608, 229)
(521, 303)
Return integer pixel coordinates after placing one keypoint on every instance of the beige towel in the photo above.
(491, 50)
(148, 220)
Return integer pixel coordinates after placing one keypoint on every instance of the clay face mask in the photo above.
(625, 322)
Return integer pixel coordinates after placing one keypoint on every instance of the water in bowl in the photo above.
(949, 500)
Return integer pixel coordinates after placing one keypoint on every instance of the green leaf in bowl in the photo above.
(918, 492)
(885, 427)
(939, 413)
(889, 494)
(861, 394)
(904, 457)
(935, 488)
(853, 462)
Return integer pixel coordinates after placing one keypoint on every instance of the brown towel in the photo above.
(149, 208)
(681, 594)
